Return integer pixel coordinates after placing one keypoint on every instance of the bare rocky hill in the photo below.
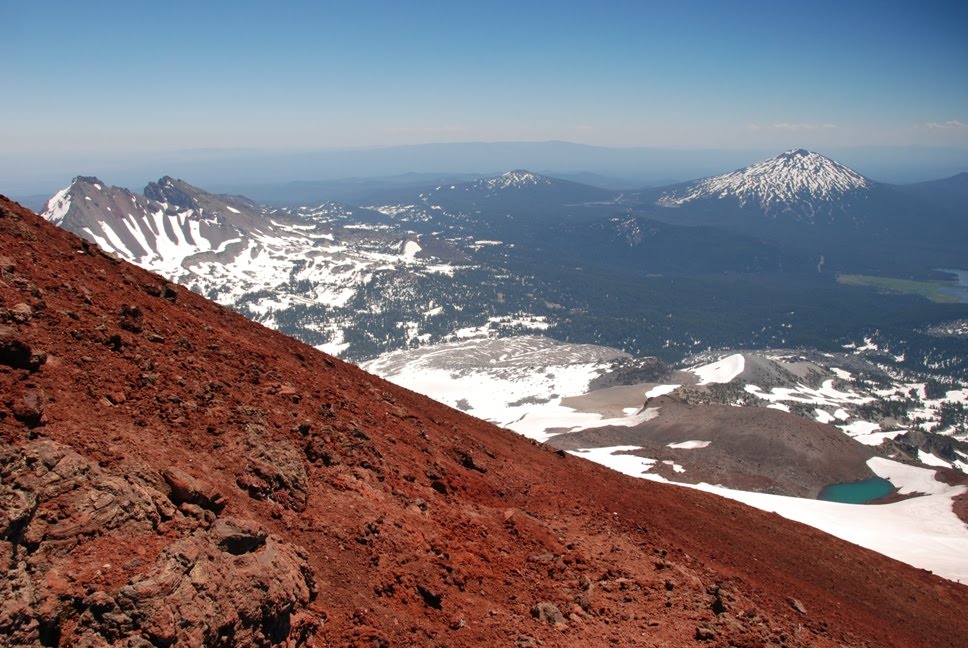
(172, 474)
(748, 448)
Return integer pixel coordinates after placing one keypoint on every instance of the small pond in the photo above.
(857, 492)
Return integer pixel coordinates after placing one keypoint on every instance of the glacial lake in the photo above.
(857, 492)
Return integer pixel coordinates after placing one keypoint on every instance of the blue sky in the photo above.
(139, 76)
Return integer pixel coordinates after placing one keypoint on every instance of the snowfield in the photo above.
(721, 371)
(615, 458)
(58, 206)
(496, 380)
(922, 531)
(519, 383)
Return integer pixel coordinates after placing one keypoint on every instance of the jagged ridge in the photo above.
(169, 223)
(261, 262)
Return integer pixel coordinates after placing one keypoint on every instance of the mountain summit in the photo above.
(169, 222)
(798, 181)
(515, 179)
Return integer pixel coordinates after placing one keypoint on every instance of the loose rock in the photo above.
(17, 353)
(547, 612)
(185, 488)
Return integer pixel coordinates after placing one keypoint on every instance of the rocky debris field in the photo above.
(172, 474)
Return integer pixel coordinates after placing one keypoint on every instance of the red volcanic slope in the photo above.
(173, 474)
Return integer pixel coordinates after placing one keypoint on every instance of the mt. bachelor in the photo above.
(798, 182)
(826, 209)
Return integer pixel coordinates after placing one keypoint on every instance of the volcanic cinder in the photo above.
(172, 474)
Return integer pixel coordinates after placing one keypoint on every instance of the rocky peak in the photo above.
(88, 180)
(176, 193)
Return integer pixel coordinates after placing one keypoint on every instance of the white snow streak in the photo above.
(58, 206)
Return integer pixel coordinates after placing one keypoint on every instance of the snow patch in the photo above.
(928, 459)
(860, 428)
(721, 371)
(689, 445)
(410, 250)
(823, 416)
(58, 206)
(661, 390)
(843, 375)
(908, 479)
(675, 467)
(618, 459)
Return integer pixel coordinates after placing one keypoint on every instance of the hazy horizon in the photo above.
(110, 85)
(32, 176)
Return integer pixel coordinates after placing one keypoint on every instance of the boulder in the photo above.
(17, 353)
(191, 490)
(97, 557)
(547, 612)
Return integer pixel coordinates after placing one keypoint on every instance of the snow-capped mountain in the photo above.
(515, 179)
(163, 229)
(798, 182)
(314, 272)
(844, 220)
(512, 180)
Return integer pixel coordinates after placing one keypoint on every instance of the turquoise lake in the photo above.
(857, 492)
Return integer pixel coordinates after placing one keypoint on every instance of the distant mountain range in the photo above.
(519, 180)
(801, 204)
(271, 176)
(347, 278)
(956, 185)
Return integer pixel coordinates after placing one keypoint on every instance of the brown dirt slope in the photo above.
(172, 474)
(751, 448)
